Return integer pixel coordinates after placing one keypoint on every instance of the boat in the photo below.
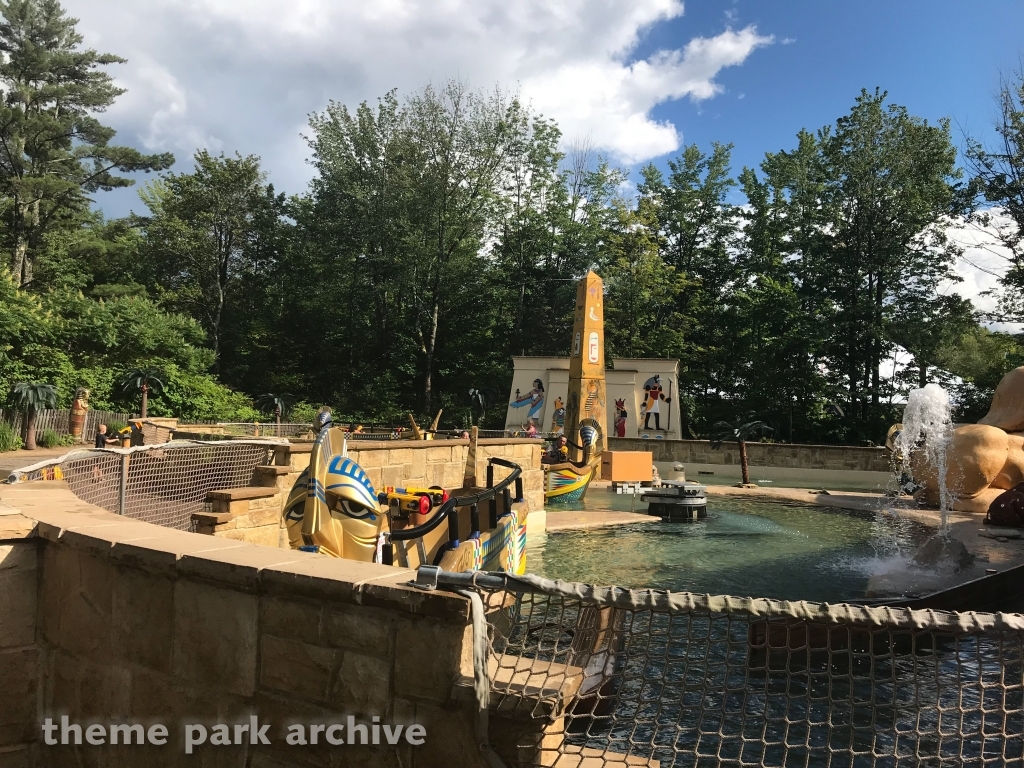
(566, 482)
(333, 510)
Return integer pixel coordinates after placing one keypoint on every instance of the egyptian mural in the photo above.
(629, 399)
(534, 399)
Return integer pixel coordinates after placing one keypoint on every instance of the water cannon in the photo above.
(413, 504)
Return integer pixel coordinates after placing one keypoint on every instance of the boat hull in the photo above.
(567, 483)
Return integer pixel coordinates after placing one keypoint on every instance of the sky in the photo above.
(638, 79)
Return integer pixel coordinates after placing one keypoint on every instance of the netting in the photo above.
(162, 484)
(584, 677)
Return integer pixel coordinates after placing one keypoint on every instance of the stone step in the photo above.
(530, 688)
(584, 757)
(238, 501)
(275, 476)
(294, 455)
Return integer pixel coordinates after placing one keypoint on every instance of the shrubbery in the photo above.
(9, 440)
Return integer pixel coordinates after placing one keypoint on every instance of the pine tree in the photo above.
(53, 151)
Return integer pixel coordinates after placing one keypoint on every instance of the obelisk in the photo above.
(587, 397)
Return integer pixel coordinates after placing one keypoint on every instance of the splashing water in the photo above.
(928, 427)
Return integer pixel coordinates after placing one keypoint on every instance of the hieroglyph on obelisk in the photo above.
(587, 398)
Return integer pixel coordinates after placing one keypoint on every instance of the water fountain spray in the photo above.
(928, 427)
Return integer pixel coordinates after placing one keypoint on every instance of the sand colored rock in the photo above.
(1007, 409)
(980, 453)
(1012, 473)
(984, 459)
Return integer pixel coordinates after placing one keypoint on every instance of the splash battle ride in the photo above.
(569, 469)
(334, 510)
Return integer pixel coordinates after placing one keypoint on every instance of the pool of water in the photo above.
(743, 548)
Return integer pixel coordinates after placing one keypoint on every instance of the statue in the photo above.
(985, 460)
(79, 409)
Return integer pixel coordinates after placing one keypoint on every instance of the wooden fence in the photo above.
(59, 420)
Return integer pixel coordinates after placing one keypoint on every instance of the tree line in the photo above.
(443, 233)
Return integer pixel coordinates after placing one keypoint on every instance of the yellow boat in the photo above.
(334, 510)
(567, 482)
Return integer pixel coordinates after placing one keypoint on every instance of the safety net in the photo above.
(162, 484)
(587, 677)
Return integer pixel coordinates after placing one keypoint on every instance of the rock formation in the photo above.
(984, 459)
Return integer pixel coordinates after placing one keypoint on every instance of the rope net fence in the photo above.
(586, 677)
(162, 484)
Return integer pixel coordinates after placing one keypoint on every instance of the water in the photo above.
(928, 428)
(743, 548)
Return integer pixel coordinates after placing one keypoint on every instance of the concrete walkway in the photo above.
(12, 460)
(593, 518)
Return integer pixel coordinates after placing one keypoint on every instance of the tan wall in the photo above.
(761, 454)
(20, 655)
(145, 624)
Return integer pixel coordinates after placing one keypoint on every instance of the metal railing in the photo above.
(163, 484)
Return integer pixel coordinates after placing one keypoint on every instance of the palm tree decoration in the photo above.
(142, 380)
(30, 398)
(276, 404)
(482, 399)
(741, 431)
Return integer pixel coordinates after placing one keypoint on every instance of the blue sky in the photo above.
(938, 58)
(242, 75)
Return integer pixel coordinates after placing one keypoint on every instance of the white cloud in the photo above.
(244, 74)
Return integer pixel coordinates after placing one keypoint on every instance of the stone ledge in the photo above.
(213, 518)
(242, 494)
(14, 526)
(273, 469)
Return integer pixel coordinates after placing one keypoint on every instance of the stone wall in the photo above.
(761, 454)
(247, 515)
(19, 649)
(133, 622)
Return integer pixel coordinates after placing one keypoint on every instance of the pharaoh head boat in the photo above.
(333, 509)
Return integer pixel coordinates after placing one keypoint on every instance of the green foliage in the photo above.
(304, 412)
(49, 438)
(9, 439)
(196, 397)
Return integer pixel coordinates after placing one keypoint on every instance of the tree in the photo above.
(925, 325)
(144, 381)
(740, 431)
(864, 204)
(699, 230)
(998, 177)
(30, 398)
(642, 289)
(53, 152)
(206, 229)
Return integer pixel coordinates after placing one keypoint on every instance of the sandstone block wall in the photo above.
(840, 457)
(106, 619)
(20, 655)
